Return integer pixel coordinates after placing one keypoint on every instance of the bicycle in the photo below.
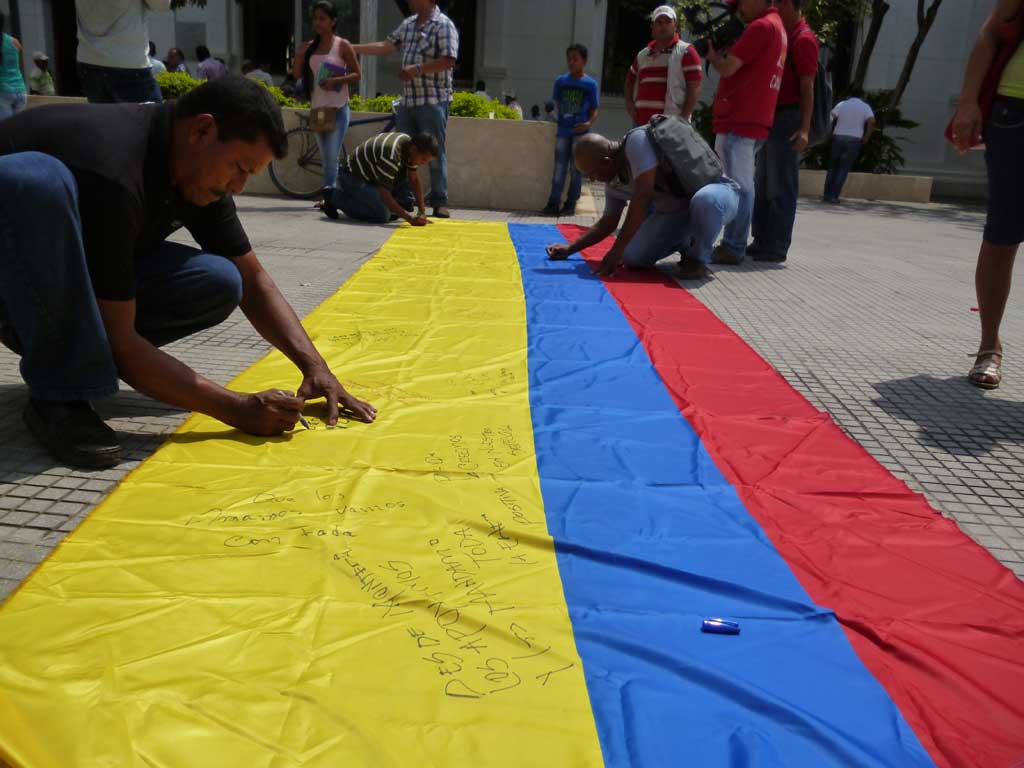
(299, 174)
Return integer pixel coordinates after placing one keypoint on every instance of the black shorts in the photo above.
(1004, 156)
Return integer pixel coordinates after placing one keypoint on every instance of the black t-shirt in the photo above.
(119, 155)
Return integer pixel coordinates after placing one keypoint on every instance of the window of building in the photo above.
(627, 30)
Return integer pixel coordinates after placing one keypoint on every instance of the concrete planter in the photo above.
(871, 186)
(497, 164)
(506, 165)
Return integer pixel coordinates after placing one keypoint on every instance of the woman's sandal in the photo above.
(986, 373)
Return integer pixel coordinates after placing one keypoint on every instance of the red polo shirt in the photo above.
(801, 61)
(745, 102)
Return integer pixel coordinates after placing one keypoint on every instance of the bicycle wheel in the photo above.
(300, 173)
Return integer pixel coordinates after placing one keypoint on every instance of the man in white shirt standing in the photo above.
(113, 43)
(853, 122)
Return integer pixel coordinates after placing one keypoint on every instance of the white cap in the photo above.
(40, 56)
(664, 10)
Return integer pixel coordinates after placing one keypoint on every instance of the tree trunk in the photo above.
(878, 10)
(924, 25)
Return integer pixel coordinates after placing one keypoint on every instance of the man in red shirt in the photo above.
(777, 180)
(744, 109)
(666, 75)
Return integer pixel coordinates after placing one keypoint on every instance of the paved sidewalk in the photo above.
(870, 319)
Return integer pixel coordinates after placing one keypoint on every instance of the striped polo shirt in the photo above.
(380, 160)
(650, 72)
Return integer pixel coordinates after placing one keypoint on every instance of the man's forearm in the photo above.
(417, 191)
(806, 103)
(375, 49)
(275, 320)
(635, 215)
(692, 96)
(437, 65)
(388, 199)
(602, 229)
(158, 375)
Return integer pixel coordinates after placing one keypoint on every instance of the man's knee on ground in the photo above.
(637, 258)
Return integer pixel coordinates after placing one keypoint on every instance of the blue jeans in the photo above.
(358, 199)
(777, 185)
(330, 143)
(11, 104)
(432, 119)
(564, 146)
(692, 230)
(737, 154)
(109, 85)
(46, 294)
(845, 151)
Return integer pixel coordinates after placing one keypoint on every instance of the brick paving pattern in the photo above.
(870, 319)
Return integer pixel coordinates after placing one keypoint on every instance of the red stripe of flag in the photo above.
(934, 617)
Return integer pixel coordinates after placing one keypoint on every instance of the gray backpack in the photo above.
(685, 161)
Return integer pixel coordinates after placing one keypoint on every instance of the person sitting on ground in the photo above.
(481, 89)
(535, 112)
(376, 172)
(40, 81)
(549, 112)
(660, 222)
(209, 67)
(254, 72)
(91, 287)
(176, 61)
(575, 92)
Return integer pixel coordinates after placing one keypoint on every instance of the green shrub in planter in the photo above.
(465, 104)
(377, 104)
(173, 85)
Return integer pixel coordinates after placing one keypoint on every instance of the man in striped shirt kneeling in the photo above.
(376, 172)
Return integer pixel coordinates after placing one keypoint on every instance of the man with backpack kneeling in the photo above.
(678, 198)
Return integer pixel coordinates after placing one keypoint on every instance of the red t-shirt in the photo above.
(745, 102)
(801, 61)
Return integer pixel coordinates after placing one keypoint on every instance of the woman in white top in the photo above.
(326, 65)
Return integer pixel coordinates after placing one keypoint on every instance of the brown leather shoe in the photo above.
(441, 212)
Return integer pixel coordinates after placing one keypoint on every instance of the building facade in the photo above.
(519, 46)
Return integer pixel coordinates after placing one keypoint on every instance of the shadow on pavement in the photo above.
(952, 415)
(967, 216)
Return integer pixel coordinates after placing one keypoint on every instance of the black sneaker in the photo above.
(569, 209)
(724, 255)
(551, 209)
(73, 433)
(691, 269)
(330, 211)
(770, 258)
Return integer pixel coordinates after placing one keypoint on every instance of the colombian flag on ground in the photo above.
(512, 566)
